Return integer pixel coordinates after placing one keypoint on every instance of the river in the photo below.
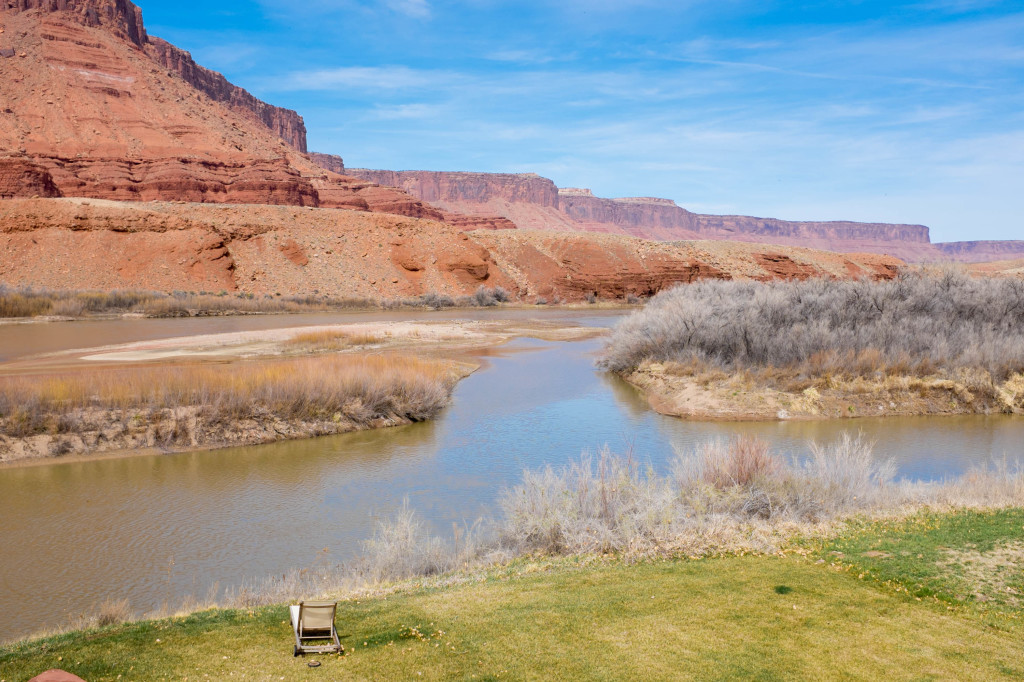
(157, 528)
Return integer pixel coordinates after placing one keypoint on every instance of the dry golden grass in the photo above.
(332, 339)
(359, 388)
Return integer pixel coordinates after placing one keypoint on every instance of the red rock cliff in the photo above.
(835, 230)
(123, 19)
(330, 162)
(979, 251)
(285, 123)
(640, 216)
(446, 188)
(117, 16)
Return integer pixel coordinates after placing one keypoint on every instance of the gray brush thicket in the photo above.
(945, 319)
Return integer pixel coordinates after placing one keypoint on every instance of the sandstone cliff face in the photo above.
(123, 19)
(438, 187)
(284, 123)
(21, 178)
(641, 217)
(96, 108)
(527, 201)
(330, 162)
(120, 17)
(834, 230)
(979, 251)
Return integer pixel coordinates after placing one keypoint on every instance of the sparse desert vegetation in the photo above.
(654, 564)
(202, 405)
(928, 341)
(26, 302)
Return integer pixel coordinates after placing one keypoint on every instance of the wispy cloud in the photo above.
(418, 9)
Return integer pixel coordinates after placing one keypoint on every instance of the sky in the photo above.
(909, 112)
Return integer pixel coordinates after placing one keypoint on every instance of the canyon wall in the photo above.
(839, 230)
(445, 188)
(123, 20)
(284, 123)
(330, 162)
(980, 251)
(645, 217)
(119, 17)
(528, 201)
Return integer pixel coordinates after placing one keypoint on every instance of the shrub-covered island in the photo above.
(923, 343)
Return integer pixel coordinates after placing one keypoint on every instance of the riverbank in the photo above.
(902, 599)
(695, 392)
(930, 342)
(243, 388)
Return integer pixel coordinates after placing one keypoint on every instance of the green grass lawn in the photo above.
(751, 617)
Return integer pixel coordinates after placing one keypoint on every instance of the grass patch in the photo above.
(723, 618)
(969, 557)
(332, 340)
(356, 388)
(29, 302)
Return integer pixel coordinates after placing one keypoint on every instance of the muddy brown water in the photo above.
(156, 529)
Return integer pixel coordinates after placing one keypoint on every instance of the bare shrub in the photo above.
(590, 297)
(500, 295)
(437, 301)
(607, 503)
(484, 297)
(403, 547)
(744, 461)
(918, 322)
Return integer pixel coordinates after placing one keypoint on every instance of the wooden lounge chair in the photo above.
(312, 621)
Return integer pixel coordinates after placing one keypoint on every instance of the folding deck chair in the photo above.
(312, 621)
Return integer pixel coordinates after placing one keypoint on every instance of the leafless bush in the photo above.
(917, 322)
(484, 297)
(720, 497)
(500, 295)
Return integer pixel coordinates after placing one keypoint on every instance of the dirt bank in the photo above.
(677, 390)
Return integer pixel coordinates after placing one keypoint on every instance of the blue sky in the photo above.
(877, 111)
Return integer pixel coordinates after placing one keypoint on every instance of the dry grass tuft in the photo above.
(357, 388)
(328, 340)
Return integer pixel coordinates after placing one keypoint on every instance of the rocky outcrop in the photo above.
(442, 188)
(22, 178)
(528, 201)
(120, 17)
(271, 181)
(123, 20)
(641, 217)
(732, 225)
(284, 123)
(330, 162)
(98, 109)
(980, 251)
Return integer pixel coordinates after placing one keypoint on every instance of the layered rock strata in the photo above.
(75, 243)
(529, 201)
